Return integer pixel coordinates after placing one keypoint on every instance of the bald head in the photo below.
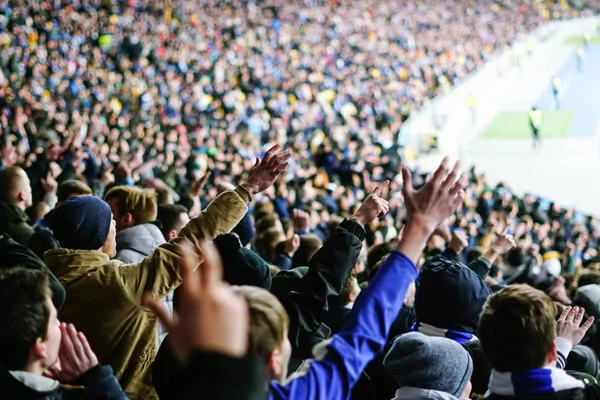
(15, 188)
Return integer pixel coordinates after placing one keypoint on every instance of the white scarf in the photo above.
(533, 382)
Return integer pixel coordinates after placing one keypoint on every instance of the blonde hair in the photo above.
(269, 322)
(140, 203)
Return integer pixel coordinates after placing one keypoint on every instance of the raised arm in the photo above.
(158, 274)
(341, 359)
(306, 299)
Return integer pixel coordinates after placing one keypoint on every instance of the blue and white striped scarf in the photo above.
(432, 331)
(533, 382)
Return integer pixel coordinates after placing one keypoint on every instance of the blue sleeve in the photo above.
(340, 360)
(281, 207)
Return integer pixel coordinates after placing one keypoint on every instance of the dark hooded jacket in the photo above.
(15, 222)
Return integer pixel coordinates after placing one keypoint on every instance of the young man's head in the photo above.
(72, 188)
(30, 331)
(85, 223)
(173, 217)
(517, 329)
(131, 205)
(269, 325)
(15, 188)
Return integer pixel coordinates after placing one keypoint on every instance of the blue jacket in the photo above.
(340, 360)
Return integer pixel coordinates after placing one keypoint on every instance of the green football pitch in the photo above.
(515, 125)
(579, 40)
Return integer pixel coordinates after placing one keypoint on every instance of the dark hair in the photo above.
(24, 313)
(309, 245)
(71, 188)
(169, 216)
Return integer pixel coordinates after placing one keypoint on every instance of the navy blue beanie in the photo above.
(81, 223)
(450, 295)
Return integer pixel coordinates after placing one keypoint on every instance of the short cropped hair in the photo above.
(169, 216)
(269, 322)
(140, 203)
(24, 313)
(10, 183)
(71, 188)
(517, 328)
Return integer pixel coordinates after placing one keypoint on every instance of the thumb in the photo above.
(257, 163)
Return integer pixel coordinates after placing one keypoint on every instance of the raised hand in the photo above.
(459, 241)
(75, 356)
(210, 316)
(49, 184)
(199, 185)
(569, 325)
(429, 206)
(504, 243)
(373, 207)
(266, 171)
(437, 199)
(301, 221)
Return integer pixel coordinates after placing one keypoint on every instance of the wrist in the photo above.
(250, 188)
(358, 219)
(422, 224)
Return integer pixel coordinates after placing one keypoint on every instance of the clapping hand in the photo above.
(266, 171)
(75, 356)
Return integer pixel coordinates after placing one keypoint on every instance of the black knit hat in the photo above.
(242, 266)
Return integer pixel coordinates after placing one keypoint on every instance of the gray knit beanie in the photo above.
(432, 363)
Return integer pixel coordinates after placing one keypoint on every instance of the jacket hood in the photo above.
(12, 214)
(411, 393)
(143, 239)
(35, 382)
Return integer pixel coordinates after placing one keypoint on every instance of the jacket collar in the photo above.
(63, 261)
(411, 393)
(35, 382)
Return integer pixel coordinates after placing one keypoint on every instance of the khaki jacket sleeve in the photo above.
(158, 274)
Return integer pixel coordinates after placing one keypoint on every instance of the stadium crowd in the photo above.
(156, 244)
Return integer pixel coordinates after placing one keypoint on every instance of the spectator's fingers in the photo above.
(588, 324)
(87, 349)
(77, 347)
(212, 267)
(67, 352)
(281, 169)
(270, 153)
(579, 315)
(406, 180)
(190, 282)
(163, 316)
(379, 188)
(572, 314)
(440, 172)
(280, 159)
(451, 179)
(460, 184)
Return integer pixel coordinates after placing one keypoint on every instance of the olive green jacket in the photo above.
(104, 295)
